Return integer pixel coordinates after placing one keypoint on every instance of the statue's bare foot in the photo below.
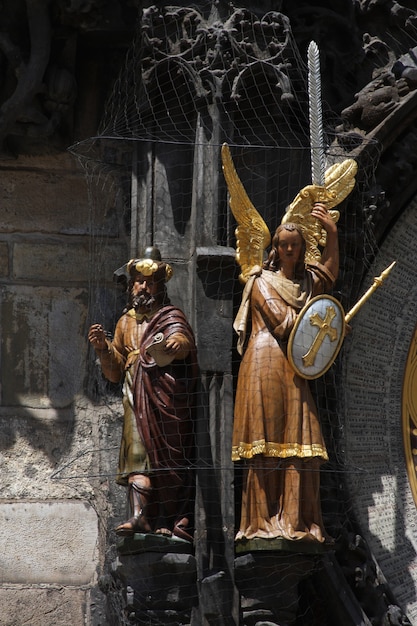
(136, 524)
(163, 531)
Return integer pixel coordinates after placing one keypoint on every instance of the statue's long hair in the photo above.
(272, 262)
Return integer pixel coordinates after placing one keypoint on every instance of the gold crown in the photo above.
(148, 267)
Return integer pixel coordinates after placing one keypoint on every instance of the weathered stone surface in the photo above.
(50, 453)
(34, 190)
(45, 261)
(71, 262)
(42, 361)
(60, 545)
(29, 199)
(4, 260)
(42, 607)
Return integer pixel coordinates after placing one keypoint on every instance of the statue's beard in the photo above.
(143, 301)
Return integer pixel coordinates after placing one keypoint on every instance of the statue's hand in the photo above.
(97, 337)
(177, 345)
(320, 212)
(173, 345)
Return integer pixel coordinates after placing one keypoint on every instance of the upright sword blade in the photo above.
(315, 115)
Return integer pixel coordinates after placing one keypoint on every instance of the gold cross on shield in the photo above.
(325, 329)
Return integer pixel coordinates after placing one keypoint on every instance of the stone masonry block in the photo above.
(42, 362)
(66, 263)
(52, 201)
(51, 542)
(42, 607)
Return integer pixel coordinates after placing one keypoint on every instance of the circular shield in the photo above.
(317, 337)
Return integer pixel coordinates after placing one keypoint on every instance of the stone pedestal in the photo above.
(159, 578)
(267, 574)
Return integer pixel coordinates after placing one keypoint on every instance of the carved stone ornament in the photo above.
(200, 61)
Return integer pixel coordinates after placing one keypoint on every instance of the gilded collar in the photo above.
(141, 316)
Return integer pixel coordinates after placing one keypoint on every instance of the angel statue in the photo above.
(276, 429)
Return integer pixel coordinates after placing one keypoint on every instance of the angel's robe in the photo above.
(276, 427)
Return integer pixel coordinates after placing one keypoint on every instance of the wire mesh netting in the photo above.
(154, 171)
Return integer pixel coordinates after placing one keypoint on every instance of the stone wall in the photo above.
(53, 496)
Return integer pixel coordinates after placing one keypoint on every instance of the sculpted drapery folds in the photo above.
(153, 351)
(276, 431)
(276, 425)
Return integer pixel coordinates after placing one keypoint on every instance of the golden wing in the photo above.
(338, 183)
(252, 234)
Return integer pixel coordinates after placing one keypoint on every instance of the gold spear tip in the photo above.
(388, 269)
(385, 273)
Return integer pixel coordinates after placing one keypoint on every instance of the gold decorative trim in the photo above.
(278, 450)
(141, 316)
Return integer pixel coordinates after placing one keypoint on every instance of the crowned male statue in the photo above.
(153, 353)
